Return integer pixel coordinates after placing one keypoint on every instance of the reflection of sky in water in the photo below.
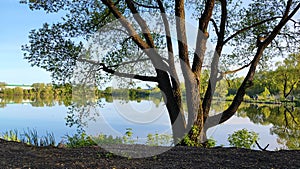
(43, 119)
(114, 121)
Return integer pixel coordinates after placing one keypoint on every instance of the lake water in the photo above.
(276, 125)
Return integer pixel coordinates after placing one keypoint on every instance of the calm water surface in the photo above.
(275, 125)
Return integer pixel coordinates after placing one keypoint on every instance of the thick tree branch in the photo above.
(192, 92)
(107, 69)
(145, 6)
(171, 58)
(138, 40)
(181, 34)
(141, 22)
(286, 17)
(215, 26)
(202, 36)
(215, 62)
(149, 51)
(128, 75)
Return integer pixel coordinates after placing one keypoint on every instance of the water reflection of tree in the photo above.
(87, 109)
(36, 100)
(285, 120)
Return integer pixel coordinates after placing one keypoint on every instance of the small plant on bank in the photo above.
(211, 143)
(127, 138)
(243, 138)
(207, 144)
(79, 140)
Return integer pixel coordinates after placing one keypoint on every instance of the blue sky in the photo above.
(16, 21)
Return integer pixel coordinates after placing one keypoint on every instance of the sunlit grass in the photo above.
(30, 137)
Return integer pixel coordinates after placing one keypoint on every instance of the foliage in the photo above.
(127, 138)
(190, 142)
(221, 89)
(247, 98)
(243, 138)
(104, 139)
(230, 97)
(282, 81)
(211, 143)
(79, 140)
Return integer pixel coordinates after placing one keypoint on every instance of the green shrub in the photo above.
(211, 143)
(195, 130)
(243, 138)
(127, 138)
(79, 140)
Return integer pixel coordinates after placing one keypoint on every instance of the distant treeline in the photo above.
(267, 86)
(45, 94)
(52, 90)
(38, 90)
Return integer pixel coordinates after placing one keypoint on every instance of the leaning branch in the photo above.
(249, 27)
(222, 74)
(236, 70)
(208, 96)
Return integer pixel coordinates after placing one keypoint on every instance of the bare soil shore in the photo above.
(19, 155)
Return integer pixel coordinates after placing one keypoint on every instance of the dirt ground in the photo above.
(19, 155)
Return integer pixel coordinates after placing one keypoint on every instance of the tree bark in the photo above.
(172, 99)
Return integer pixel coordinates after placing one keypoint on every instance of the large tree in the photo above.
(287, 74)
(257, 30)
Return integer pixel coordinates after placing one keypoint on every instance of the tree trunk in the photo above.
(172, 99)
